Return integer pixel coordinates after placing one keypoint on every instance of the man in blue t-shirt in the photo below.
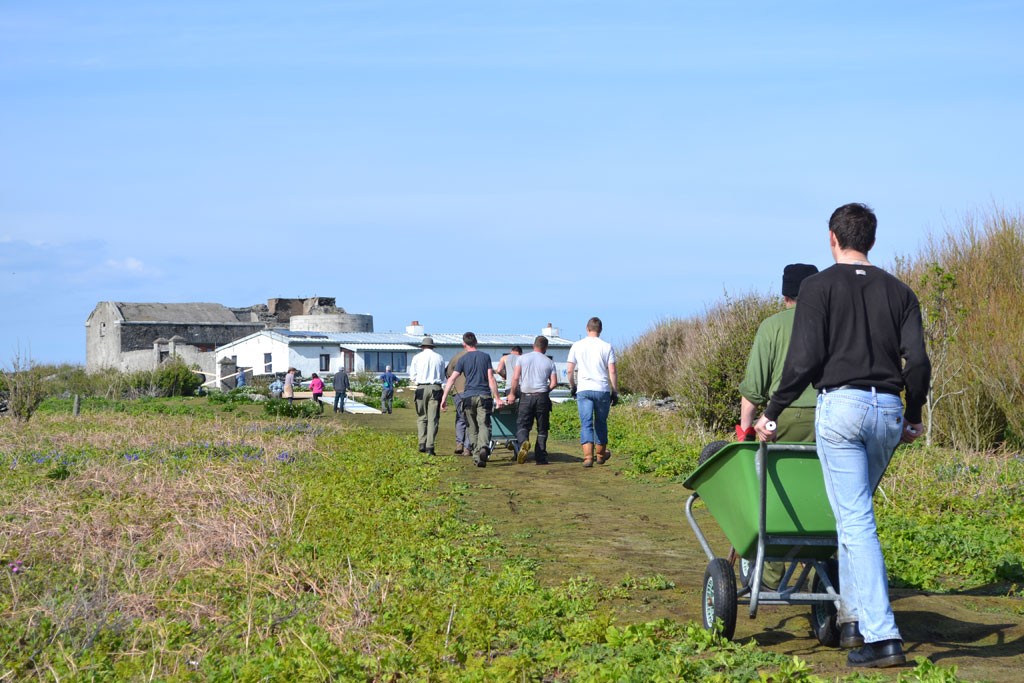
(478, 399)
(388, 383)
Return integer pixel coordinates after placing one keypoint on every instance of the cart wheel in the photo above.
(823, 614)
(720, 596)
(710, 450)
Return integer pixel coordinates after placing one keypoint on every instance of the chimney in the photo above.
(415, 329)
(550, 331)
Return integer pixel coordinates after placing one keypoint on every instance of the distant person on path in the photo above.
(388, 382)
(462, 444)
(316, 386)
(289, 385)
(507, 364)
(595, 389)
(857, 335)
(479, 398)
(533, 379)
(764, 368)
(276, 388)
(241, 379)
(341, 386)
(426, 372)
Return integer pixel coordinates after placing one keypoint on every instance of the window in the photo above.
(377, 361)
(325, 362)
(268, 364)
(164, 355)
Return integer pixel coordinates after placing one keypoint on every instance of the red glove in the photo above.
(747, 434)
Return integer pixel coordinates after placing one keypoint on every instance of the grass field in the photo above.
(171, 540)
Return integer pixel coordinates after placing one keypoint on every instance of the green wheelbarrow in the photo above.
(770, 502)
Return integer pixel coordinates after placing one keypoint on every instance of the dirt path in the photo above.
(596, 522)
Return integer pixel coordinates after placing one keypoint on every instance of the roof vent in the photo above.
(550, 331)
(414, 329)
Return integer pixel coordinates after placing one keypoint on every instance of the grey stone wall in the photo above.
(139, 336)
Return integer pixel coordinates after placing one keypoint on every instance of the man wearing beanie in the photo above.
(764, 368)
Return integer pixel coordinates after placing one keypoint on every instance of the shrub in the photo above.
(279, 407)
(970, 284)
(707, 381)
(175, 378)
(25, 386)
(700, 361)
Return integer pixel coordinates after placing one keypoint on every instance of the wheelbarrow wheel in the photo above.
(710, 450)
(720, 596)
(823, 614)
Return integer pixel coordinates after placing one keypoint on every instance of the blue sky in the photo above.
(487, 166)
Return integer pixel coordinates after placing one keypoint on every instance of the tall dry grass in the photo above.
(699, 361)
(970, 281)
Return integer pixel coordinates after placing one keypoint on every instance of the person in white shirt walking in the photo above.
(426, 372)
(595, 389)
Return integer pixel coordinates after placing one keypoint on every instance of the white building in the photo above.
(270, 352)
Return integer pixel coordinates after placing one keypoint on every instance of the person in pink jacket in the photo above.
(316, 385)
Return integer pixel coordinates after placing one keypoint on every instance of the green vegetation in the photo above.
(163, 547)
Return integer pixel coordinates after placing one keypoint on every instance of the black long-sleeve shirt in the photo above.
(856, 325)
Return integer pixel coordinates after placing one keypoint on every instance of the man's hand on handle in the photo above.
(765, 429)
(911, 430)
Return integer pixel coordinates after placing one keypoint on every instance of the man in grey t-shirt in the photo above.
(534, 377)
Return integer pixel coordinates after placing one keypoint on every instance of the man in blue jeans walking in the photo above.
(857, 336)
(595, 389)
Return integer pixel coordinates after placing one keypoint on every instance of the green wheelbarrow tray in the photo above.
(770, 501)
(795, 503)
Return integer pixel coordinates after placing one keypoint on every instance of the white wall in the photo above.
(306, 358)
(250, 354)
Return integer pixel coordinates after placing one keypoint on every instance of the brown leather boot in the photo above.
(588, 455)
(602, 453)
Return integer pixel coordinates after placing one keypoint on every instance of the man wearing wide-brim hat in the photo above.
(426, 373)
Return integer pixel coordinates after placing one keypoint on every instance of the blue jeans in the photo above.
(593, 407)
(339, 401)
(857, 433)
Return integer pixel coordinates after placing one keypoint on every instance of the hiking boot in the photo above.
(480, 457)
(588, 455)
(423, 448)
(459, 450)
(849, 636)
(430, 451)
(879, 655)
(541, 460)
(524, 450)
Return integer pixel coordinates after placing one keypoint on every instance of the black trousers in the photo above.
(534, 407)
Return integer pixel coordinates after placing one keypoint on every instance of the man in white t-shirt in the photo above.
(595, 389)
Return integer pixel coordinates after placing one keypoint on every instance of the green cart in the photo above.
(503, 428)
(770, 502)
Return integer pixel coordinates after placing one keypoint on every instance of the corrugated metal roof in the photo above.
(440, 339)
(404, 341)
(353, 346)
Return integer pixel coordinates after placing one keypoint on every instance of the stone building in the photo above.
(139, 336)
